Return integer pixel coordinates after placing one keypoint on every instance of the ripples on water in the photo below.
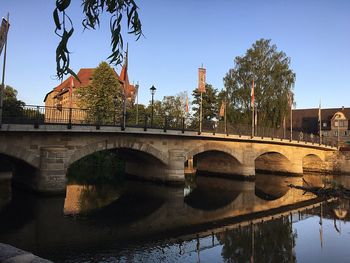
(211, 220)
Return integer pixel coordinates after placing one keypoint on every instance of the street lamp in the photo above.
(153, 91)
(115, 101)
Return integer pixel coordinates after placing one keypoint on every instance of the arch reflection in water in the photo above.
(268, 187)
(82, 199)
(126, 202)
(211, 194)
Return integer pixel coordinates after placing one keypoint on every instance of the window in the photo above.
(324, 124)
(345, 133)
(335, 123)
(341, 123)
(325, 133)
(335, 133)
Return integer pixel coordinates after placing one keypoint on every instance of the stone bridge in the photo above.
(47, 152)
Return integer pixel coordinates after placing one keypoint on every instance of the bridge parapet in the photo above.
(153, 131)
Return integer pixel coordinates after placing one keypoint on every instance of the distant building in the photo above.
(64, 97)
(334, 124)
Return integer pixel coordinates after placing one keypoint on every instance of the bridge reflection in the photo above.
(270, 188)
(140, 211)
(209, 195)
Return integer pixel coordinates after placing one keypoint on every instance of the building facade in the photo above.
(335, 128)
(62, 103)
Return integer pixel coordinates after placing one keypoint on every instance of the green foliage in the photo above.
(11, 105)
(174, 108)
(210, 104)
(132, 114)
(92, 9)
(100, 167)
(171, 107)
(274, 81)
(103, 98)
(158, 114)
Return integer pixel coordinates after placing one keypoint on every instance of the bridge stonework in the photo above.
(153, 155)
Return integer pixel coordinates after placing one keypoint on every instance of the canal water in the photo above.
(208, 220)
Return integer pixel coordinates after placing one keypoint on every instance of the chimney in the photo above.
(342, 108)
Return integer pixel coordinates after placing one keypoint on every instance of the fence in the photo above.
(39, 115)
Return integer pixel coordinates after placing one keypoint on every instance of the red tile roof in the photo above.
(85, 76)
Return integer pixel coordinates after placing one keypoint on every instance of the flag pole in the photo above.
(253, 106)
(253, 121)
(201, 114)
(125, 87)
(137, 103)
(291, 116)
(201, 89)
(3, 74)
(320, 121)
(256, 121)
(186, 111)
(225, 117)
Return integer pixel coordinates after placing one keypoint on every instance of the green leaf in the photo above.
(56, 19)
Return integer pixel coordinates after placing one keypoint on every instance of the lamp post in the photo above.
(290, 101)
(137, 103)
(2, 87)
(153, 91)
(115, 101)
(124, 112)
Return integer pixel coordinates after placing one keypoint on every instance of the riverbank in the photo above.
(10, 254)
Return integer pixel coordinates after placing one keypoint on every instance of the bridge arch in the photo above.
(145, 148)
(312, 163)
(272, 162)
(20, 153)
(213, 147)
(273, 149)
(215, 159)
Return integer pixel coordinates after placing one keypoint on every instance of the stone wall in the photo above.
(151, 155)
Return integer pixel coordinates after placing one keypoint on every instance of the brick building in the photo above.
(335, 124)
(62, 98)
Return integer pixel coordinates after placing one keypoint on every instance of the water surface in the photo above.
(208, 220)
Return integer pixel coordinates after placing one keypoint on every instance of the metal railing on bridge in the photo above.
(40, 115)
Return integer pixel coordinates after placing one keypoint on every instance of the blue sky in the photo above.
(181, 35)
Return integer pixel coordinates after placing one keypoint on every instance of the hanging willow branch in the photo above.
(92, 10)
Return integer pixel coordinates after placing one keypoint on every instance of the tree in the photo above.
(131, 115)
(103, 98)
(274, 81)
(209, 104)
(92, 9)
(174, 108)
(158, 113)
(12, 107)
